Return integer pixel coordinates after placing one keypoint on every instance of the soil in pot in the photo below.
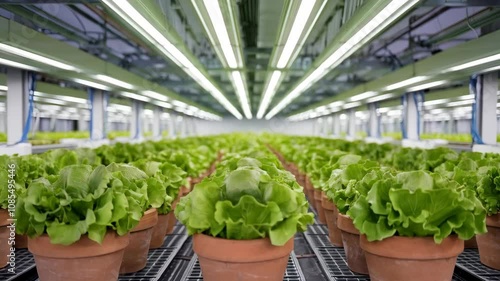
(319, 207)
(412, 258)
(350, 239)
(331, 221)
(4, 237)
(81, 261)
(159, 231)
(489, 243)
(136, 253)
(241, 260)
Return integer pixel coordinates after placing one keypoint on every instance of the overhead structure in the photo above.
(146, 19)
(297, 20)
(370, 21)
(219, 18)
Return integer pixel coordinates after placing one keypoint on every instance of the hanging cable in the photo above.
(31, 101)
(476, 137)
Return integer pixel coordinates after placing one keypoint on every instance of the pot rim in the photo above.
(493, 220)
(413, 248)
(83, 248)
(239, 251)
(346, 224)
(148, 220)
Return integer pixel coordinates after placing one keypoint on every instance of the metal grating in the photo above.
(292, 273)
(24, 263)
(469, 263)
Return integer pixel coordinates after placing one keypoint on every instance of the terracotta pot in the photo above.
(310, 192)
(5, 233)
(21, 241)
(350, 238)
(81, 261)
(136, 253)
(404, 258)
(159, 231)
(242, 260)
(489, 243)
(471, 243)
(319, 207)
(331, 221)
(171, 220)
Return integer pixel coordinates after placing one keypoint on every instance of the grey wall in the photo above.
(275, 125)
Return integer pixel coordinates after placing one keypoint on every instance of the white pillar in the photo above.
(487, 107)
(374, 121)
(136, 124)
(336, 124)
(411, 116)
(16, 103)
(172, 132)
(82, 124)
(98, 115)
(351, 127)
(157, 122)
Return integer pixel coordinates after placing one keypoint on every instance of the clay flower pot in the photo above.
(159, 231)
(80, 261)
(21, 241)
(171, 219)
(489, 243)
(412, 258)
(310, 192)
(4, 237)
(319, 207)
(350, 238)
(136, 253)
(471, 243)
(331, 221)
(243, 260)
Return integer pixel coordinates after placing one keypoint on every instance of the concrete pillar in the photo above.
(374, 121)
(16, 103)
(136, 124)
(336, 124)
(173, 125)
(82, 124)
(157, 128)
(53, 123)
(487, 107)
(98, 114)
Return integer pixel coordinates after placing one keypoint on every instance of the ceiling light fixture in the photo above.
(135, 96)
(393, 10)
(135, 19)
(351, 105)
(380, 98)
(406, 82)
(17, 65)
(155, 95)
(32, 56)
(114, 81)
(427, 86)
(295, 38)
(363, 96)
(92, 84)
(473, 63)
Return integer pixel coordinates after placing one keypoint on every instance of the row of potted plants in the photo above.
(468, 179)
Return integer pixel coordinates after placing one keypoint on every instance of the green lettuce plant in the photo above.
(418, 204)
(247, 198)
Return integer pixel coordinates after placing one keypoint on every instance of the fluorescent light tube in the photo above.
(135, 96)
(434, 102)
(384, 18)
(163, 104)
(351, 105)
(242, 93)
(363, 96)
(3, 88)
(336, 103)
(32, 56)
(406, 82)
(466, 97)
(379, 98)
(459, 103)
(473, 63)
(269, 93)
(426, 86)
(17, 65)
(298, 26)
(155, 95)
(114, 81)
(92, 84)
